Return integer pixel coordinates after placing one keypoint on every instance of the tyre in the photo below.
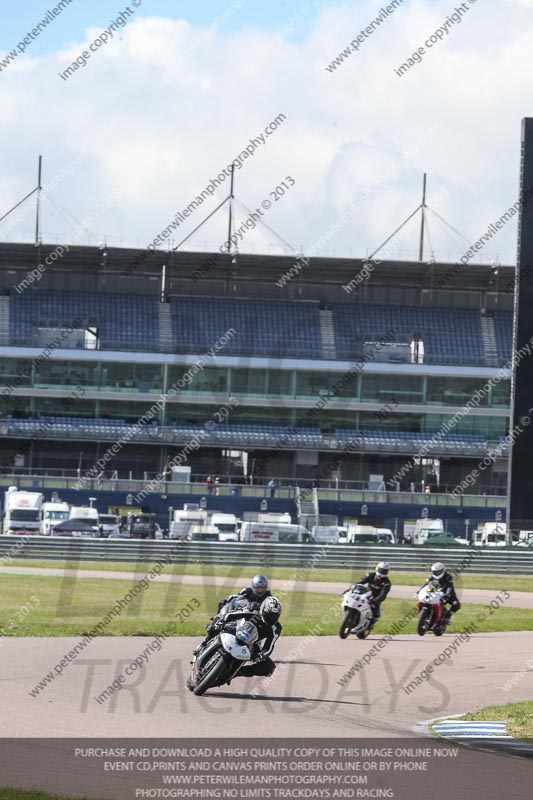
(211, 677)
(347, 624)
(363, 634)
(423, 622)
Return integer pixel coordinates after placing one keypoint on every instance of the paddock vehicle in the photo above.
(109, 525)
(326, 534)
(357, 612)
(143, 526)
(492, 534)
(22, 512)
(367, 534)
(86, 514)
(184, 518)
(221, 658)
(432, 615)
(269, 532)
(51, 514)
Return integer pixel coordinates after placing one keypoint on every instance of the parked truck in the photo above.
(52, 513)
(184, 518)
(492, 534)
(22, 512)
(265, 532)
(86, 514)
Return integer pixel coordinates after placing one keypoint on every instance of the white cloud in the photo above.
(186, 99)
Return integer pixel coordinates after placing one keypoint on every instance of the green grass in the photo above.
(513, 583)
(519, 717)
(72, 606)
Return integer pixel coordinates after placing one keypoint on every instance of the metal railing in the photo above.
(252, 555)
(198, 490)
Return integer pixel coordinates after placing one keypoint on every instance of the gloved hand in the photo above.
(216, 626)
(260, 657)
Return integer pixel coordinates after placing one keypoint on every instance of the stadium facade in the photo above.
(318, 369)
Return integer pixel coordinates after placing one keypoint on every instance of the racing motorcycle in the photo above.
(432, 614)
(358, 617)
(221, 658)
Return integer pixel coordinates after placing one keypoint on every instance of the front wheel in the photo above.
(363, 634)
(423, 622)
(347, 624)
(211, 677)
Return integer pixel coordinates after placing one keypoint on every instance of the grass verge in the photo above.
(513, 583)
(37, 606)
(519, 717)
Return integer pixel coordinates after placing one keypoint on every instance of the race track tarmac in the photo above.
(303, 698)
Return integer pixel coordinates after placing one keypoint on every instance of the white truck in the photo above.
(87, 514)
(425, 529)
(227, 525)
(326, 534)
(368, 534)
(492, 534)
(22, 512)
(108, 525)
(184, 518)
(52, 513)
(274, 532)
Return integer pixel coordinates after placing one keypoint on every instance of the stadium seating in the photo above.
(503, 328)
(254, 435)
(262, 327)
(123, 321)
(450, 335)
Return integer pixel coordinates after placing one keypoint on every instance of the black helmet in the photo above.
(259, 584)
(270, 610)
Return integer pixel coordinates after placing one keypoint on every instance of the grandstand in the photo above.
(311, 366)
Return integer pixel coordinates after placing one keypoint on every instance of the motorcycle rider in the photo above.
(266, 619)
(444, 579)
(255, 593)
(379, 584)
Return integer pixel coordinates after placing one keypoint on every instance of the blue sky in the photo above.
(80, 14)
(141, 128)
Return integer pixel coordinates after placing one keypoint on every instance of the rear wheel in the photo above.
(423, 622)
(347, 624)
(211, 677)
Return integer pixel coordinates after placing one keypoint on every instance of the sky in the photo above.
(151, 116)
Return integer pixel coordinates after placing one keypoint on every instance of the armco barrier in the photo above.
(265, 556)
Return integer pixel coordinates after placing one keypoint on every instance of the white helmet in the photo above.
(270, 610)
(437, 570)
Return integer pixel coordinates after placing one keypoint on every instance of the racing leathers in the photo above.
(380, 586)
(446, 584)
(248, 594)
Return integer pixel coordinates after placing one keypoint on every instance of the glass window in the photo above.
(132, 377)
(189, 378)
(383, 388)
(501, 394)
(311, 383)
(279, 382)
(456, 391)
(66, 373)
(15, 372)
(248, 381)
